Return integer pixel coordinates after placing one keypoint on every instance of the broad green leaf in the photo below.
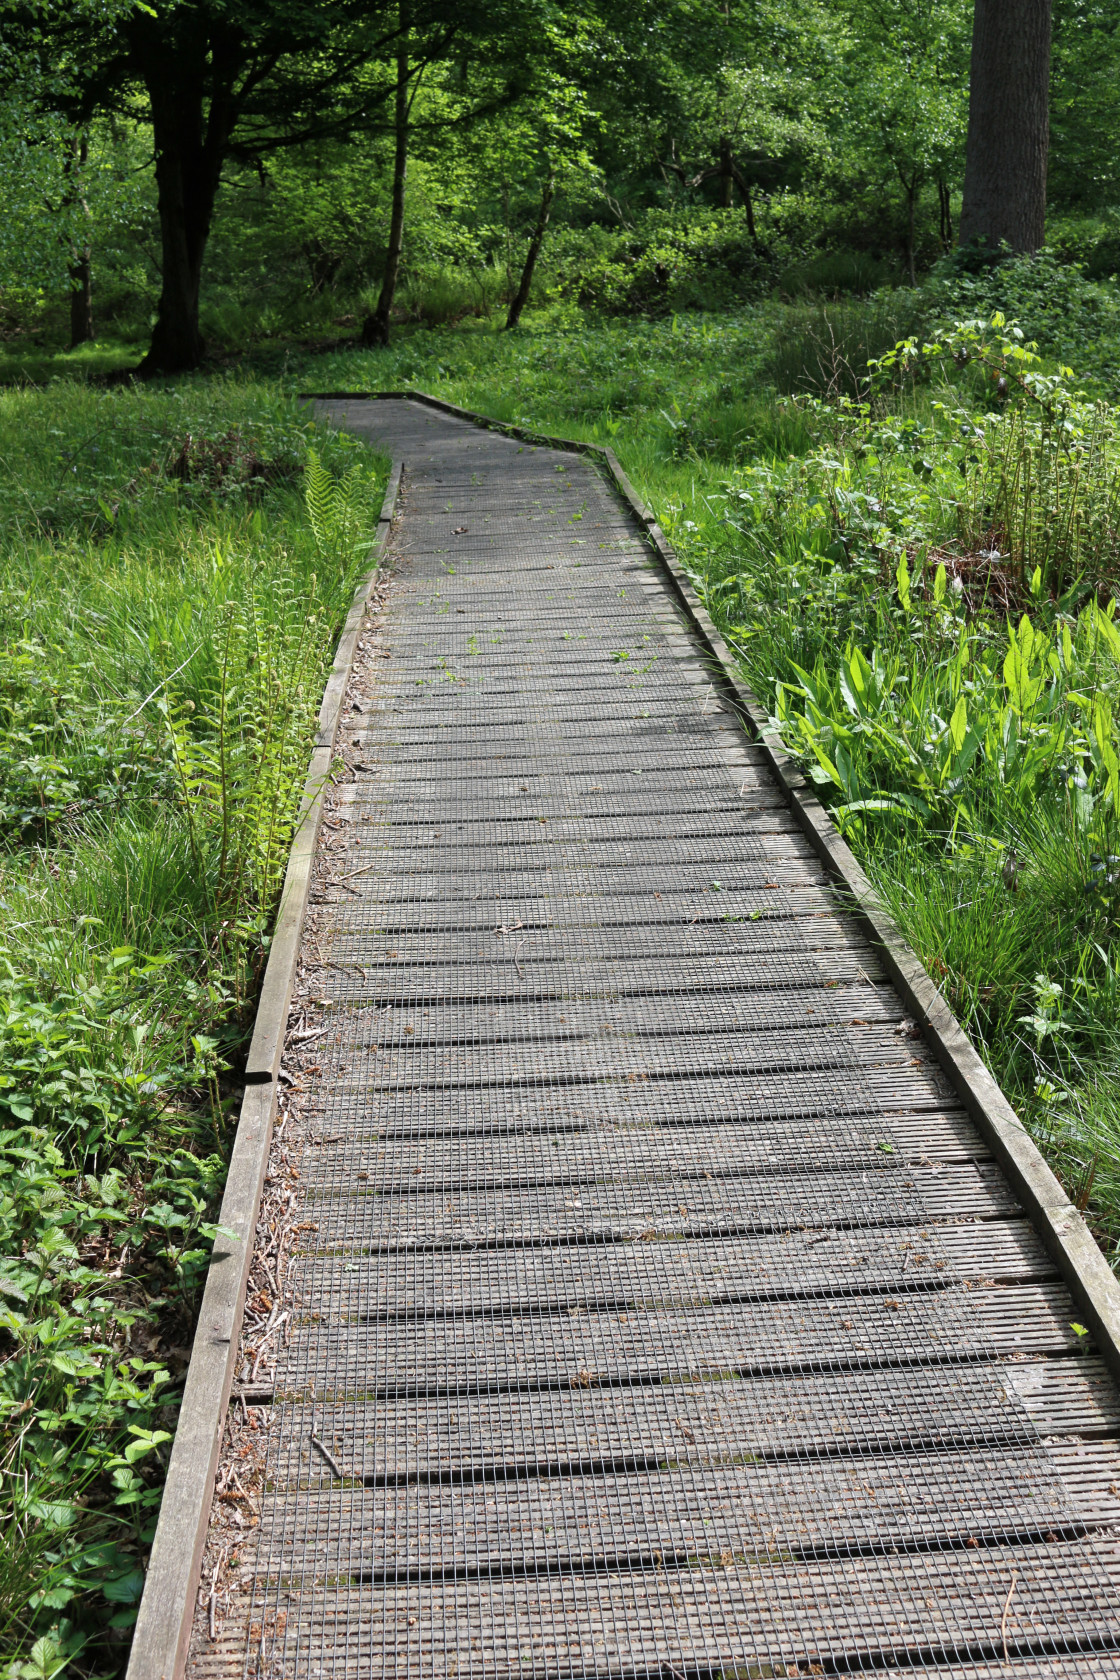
(902, 578)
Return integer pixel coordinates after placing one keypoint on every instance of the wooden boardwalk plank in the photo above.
(667, 1272)
(686, 1514)
(617, 1347)
(836, 1413)
(653, 1310)
(578, 1210)
(944, 1604)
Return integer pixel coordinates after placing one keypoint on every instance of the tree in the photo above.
(375, 327)
(735, 107)
(81, 258)
(517, 73)
(737, 123)
(535, 152)
(1008, 126)
(220, 80)
(905, 77)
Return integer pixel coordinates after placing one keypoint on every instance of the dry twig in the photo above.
(1006, 1608)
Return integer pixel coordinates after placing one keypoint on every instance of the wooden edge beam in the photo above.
(1062, 1229)
(163, 1627)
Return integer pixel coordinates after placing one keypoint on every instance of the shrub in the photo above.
(838, 272)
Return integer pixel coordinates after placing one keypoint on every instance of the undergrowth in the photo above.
(174, 570)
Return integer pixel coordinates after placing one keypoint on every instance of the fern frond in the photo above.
(321, 498)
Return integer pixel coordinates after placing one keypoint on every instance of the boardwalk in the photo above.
(656, 1309)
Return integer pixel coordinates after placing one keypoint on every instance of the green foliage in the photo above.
(1072, 320)
(824, 349)
(842, 126)
(33, 174)
(671, 261)
(169, 597)
(1084, 162)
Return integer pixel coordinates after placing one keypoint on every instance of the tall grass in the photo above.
(1048, 496)
(440, 296)
(175, 567)
(824, 348)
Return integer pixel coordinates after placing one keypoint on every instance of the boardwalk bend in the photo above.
(657, 1309)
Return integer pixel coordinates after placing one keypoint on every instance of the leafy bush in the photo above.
(1073, 320)
(669, 262)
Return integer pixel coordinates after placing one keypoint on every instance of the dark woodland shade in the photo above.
(1008, 125)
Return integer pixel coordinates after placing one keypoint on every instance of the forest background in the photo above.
(674, 157)
(724, 240)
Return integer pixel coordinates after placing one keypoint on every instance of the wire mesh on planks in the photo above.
(638, 1334)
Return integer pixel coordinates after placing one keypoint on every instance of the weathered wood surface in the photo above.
(659, 1311)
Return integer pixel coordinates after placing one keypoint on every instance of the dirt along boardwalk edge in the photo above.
(163, 1626)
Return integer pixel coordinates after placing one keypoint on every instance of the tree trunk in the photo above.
(744, 187)
(945, 215)
(525, 285)
(1008, 126)
(81, 263)
(726, 174)
(375, 328)
(81, 299)
(749, 207)
(911, 207)
(189, 149)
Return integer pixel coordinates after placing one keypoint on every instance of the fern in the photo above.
(321, 495)
(336, 510)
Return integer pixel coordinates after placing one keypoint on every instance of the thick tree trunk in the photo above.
(81, 264)
(189, 150)
(375, 327)
(1008, 126)
(525, 284)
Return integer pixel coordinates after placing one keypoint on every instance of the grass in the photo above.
(175, 568)
(35, 364)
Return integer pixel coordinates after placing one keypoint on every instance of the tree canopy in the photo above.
(354, 145)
